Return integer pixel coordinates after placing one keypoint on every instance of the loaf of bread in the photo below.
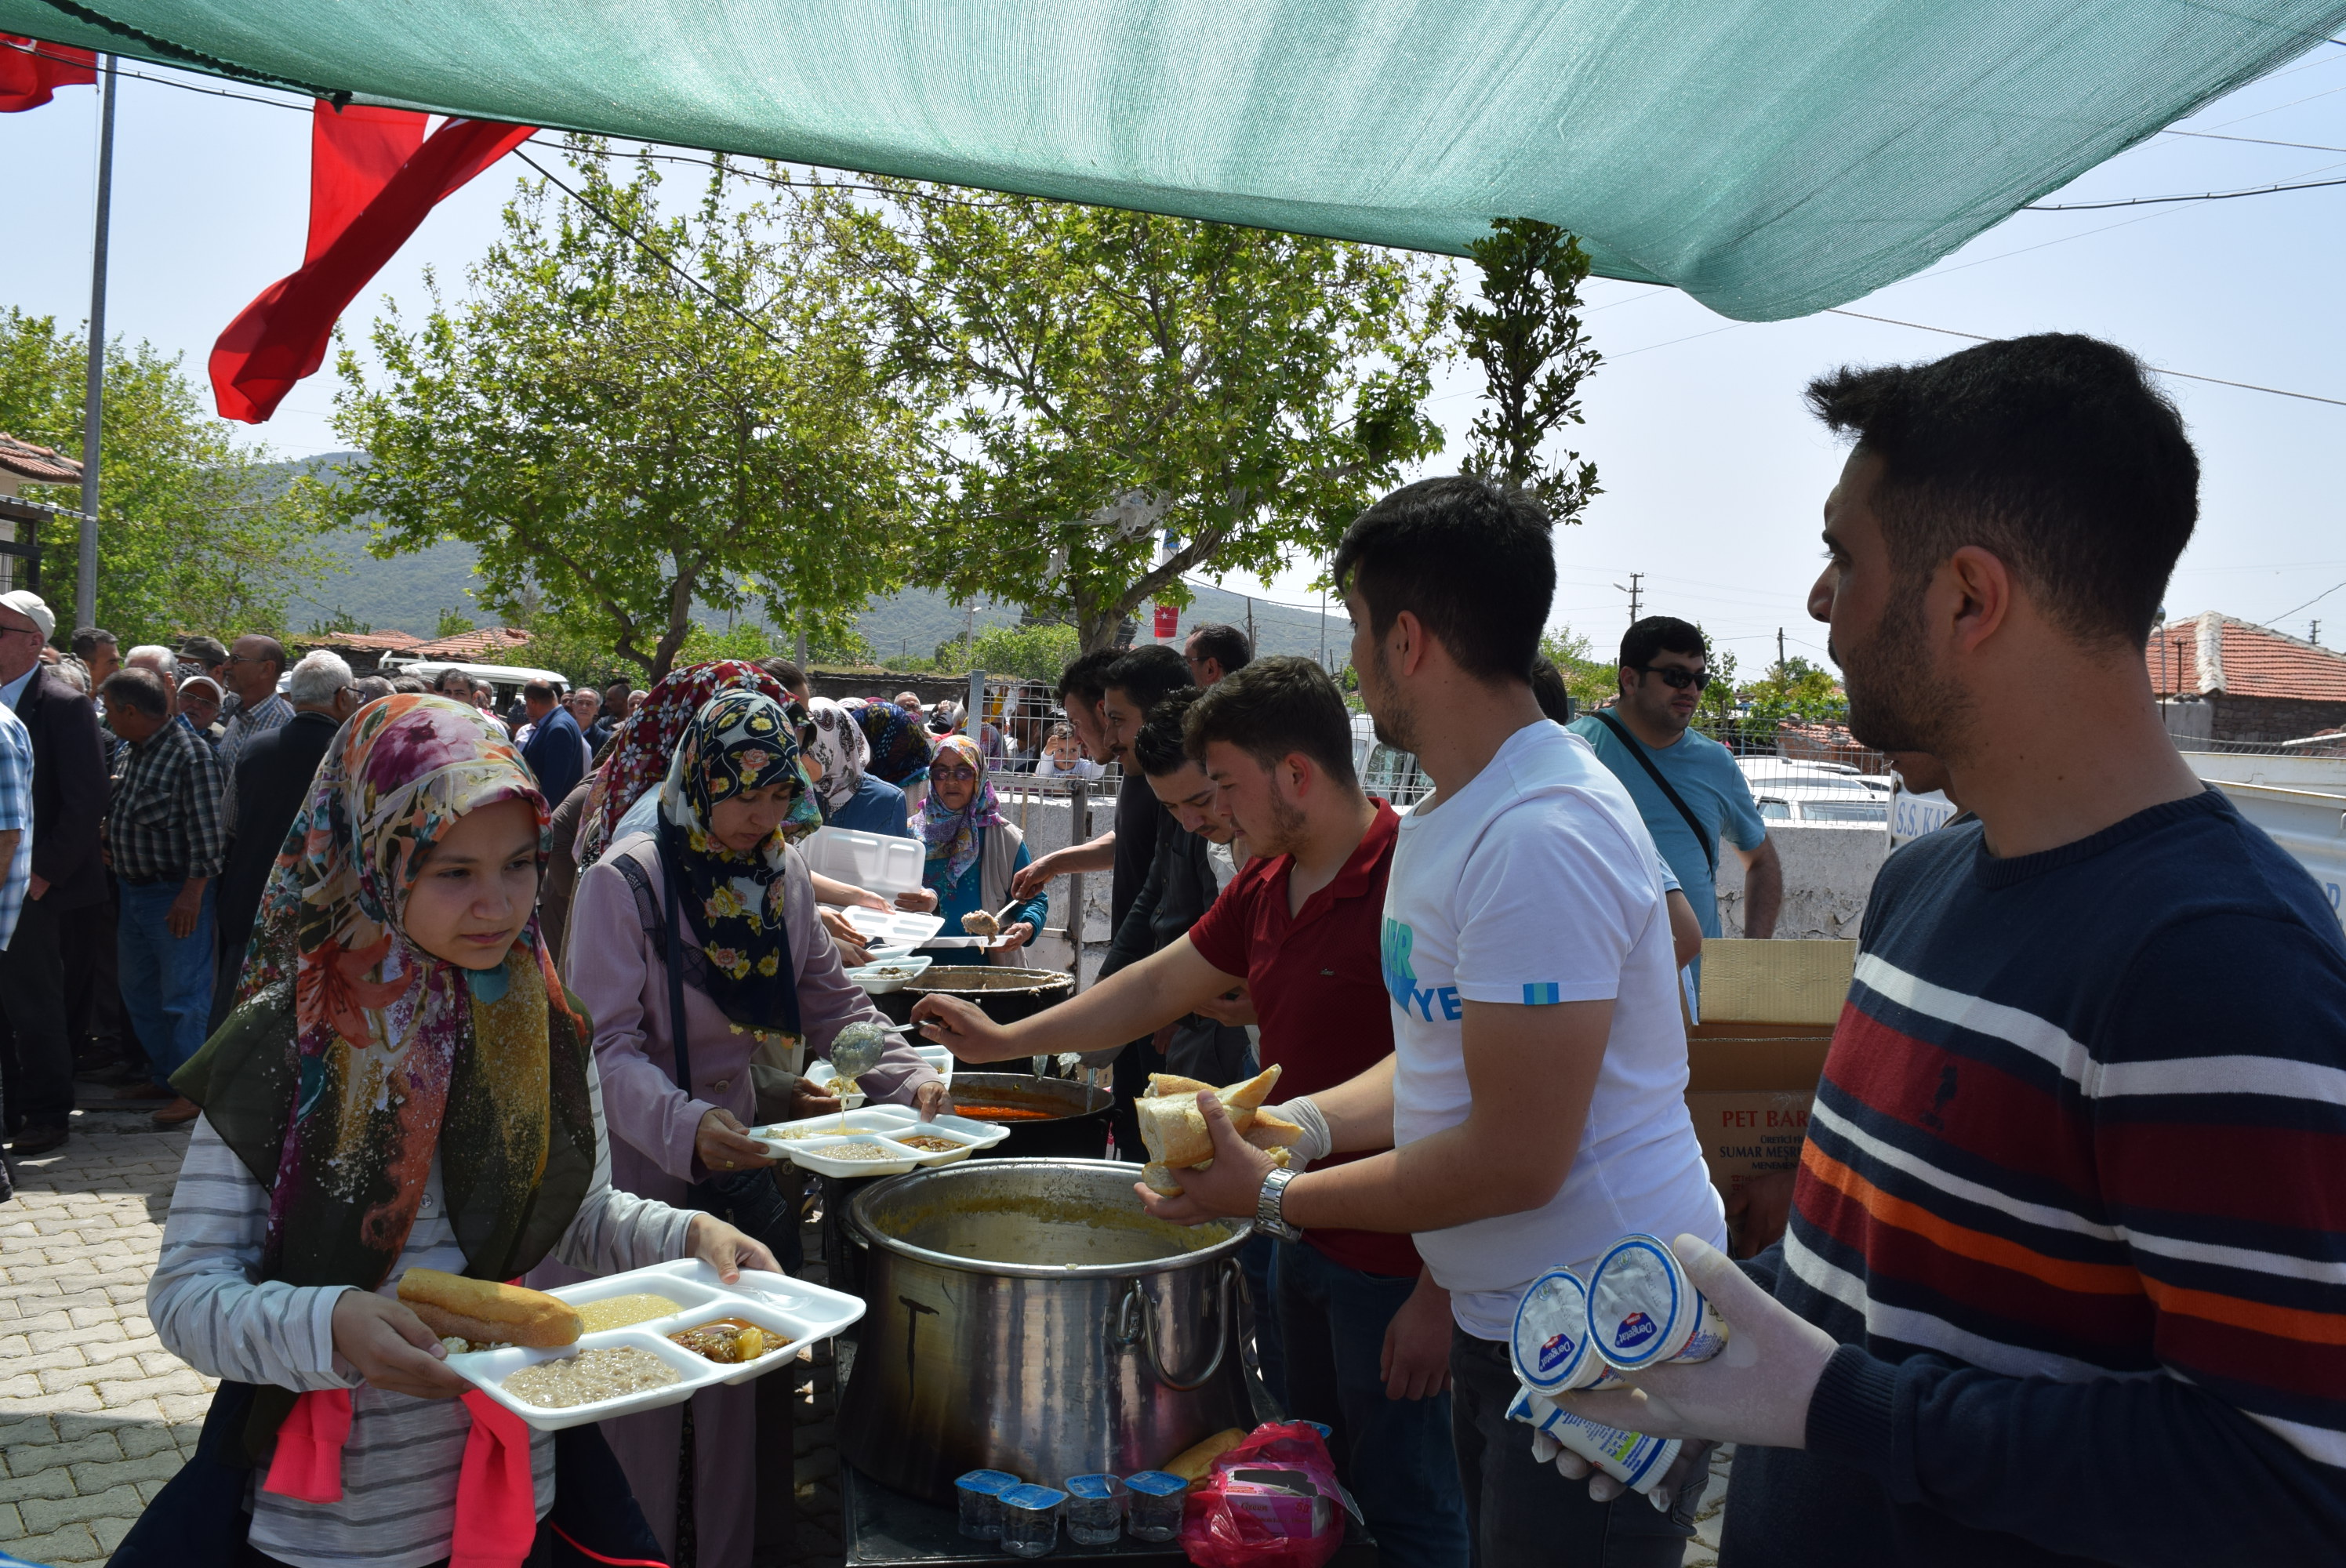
(1192, 1464)
(486, 1312)
(1174, 1129)
(1158, 1179)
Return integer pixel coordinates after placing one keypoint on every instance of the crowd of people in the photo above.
(2059, 1278)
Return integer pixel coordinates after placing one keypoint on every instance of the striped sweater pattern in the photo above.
(2084, 1123)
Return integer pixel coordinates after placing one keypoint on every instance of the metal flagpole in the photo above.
(93, 395)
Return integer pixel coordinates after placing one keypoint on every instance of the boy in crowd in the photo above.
(2065, 1278)
(1533, 1109)
(1365, 1333)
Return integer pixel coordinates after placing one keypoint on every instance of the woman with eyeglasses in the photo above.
(974, 853)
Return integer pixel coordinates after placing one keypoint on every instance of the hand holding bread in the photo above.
(486, 1312)
(1174, 1131)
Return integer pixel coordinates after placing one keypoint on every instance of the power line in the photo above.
(2309, 604)
(2180, 375)
(2204, 195)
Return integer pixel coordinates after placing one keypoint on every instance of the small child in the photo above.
(1063, 755)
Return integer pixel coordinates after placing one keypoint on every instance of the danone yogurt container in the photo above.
(1637, 1462)
(1551, 1338)
(1643, 1310)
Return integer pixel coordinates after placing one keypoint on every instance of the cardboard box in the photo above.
(1752, 1063)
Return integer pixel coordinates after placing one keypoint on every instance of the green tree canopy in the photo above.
(195, 531)
(633, 412)
(1106, 378)
(1796, 689)
(1527, 337)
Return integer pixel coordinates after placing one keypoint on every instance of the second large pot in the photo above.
(1027, 1316)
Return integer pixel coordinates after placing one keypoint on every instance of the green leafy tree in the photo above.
(1035, 652)
(1104, 379)
(1795, 691)
(1590, 679)
(195, 531)
(1527, 335)
(453, 623)
(621, 444)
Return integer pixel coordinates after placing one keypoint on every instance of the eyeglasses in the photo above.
(246, 658)
(1678, 680)
(958, 775)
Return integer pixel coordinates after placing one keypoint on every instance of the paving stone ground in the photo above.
(96, 1415)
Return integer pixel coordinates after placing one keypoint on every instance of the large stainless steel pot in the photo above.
(1027, 1316)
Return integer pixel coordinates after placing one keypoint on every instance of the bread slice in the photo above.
(486, 1312)
(1174, 1129)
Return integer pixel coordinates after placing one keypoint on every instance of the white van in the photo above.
(504, 679)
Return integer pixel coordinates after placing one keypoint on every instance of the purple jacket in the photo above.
(622, 979)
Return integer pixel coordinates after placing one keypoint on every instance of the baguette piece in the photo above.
(1158, 1179)
(486, 1312)
(1191, 1464)
(1174, 1129)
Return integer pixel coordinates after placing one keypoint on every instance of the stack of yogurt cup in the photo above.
(1636, 1310)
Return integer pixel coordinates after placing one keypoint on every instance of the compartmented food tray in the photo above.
(895, 928)
(884, 975)
(801, 1141)
(793, 1312)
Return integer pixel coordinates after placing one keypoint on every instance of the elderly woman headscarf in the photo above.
(972, 850)
(754, 983)
(403, 1084)
(839, 755)
(900, 746)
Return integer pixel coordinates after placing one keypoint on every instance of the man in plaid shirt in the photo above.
(15, 820)
(165, 839)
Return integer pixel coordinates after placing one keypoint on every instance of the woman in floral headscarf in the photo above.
(404, 1084)
(900, 747)
(713, 880)
(973, 852)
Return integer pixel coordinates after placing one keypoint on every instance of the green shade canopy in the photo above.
(1772, 157)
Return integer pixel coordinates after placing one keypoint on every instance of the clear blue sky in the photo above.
(1713, 473)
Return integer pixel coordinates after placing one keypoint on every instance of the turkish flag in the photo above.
(30, 70)
(373, 176)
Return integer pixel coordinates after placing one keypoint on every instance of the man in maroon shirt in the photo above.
(1365, 1330)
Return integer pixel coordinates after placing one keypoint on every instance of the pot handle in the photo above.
(1144, 1333)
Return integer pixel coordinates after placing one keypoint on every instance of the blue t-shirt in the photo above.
(877, 808)
(1705, 775)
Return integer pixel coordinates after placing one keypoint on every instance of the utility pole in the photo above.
(1779, 647)
(2314, 636)
(2317, 626)
(1635, 577)
(94, 390)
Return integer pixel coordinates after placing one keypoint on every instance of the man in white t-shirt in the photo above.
(1534, 1103)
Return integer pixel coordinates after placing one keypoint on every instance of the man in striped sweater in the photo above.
(2065, 1276)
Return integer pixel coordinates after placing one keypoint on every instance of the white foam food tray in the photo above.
(798, 1312)
(812, 1153)
(895, 928)
(884, 1121)
(883, 975)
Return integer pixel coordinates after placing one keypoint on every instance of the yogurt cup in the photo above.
(978, 1498)
(1551, 1342)
(1643, 1310)
(1637, 1462)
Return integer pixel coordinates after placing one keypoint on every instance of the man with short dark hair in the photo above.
(792, 678)
(250, 670)
(1213, 651)
(555, 750)
(1364, 1334)
(167, 845)
(274, 775)
(2067, 1263)
(1534, 1110)
(1693, 796)
(99, 653)
(67, 877)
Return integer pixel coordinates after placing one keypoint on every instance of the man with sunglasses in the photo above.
(1686, 786)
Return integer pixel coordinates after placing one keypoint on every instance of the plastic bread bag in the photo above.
(1272, 1501)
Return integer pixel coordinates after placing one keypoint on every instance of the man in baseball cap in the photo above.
(33, 608)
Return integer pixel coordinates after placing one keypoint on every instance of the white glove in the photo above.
(1315, 1143)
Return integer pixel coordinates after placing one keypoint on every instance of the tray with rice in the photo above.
(635, 1362)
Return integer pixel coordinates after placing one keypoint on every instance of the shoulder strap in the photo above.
(659, 927)
(1638, 750)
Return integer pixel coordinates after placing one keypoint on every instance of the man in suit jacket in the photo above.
(69, 796)
(273, 781)
(554, 752)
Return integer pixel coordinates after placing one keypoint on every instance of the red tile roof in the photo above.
(42, 464)
(389, 642)
(467, 647)
(2214, 652)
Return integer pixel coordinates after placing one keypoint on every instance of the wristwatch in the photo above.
(1269, 1216)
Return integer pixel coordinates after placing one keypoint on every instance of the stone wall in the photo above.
(2270, 718)
(1829, 870)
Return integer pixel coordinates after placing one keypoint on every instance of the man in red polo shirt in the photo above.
(1365, 1330)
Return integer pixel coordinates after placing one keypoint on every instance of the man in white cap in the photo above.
(64, 874)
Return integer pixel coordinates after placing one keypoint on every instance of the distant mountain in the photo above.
(408, 592)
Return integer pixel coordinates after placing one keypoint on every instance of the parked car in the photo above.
(1789, 791)
(1386, 770)
(505, 680)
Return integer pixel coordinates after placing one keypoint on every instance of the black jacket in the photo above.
(70, 784)
(272, 780)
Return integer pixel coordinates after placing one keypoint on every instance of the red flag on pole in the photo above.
(30, 70)
(373, 176)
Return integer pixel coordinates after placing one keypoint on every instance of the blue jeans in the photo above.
(166, 981)
(1395, 1454)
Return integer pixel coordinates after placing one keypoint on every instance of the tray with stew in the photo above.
(653, 1337)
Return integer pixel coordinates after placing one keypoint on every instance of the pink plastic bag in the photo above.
(1273, 1501)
